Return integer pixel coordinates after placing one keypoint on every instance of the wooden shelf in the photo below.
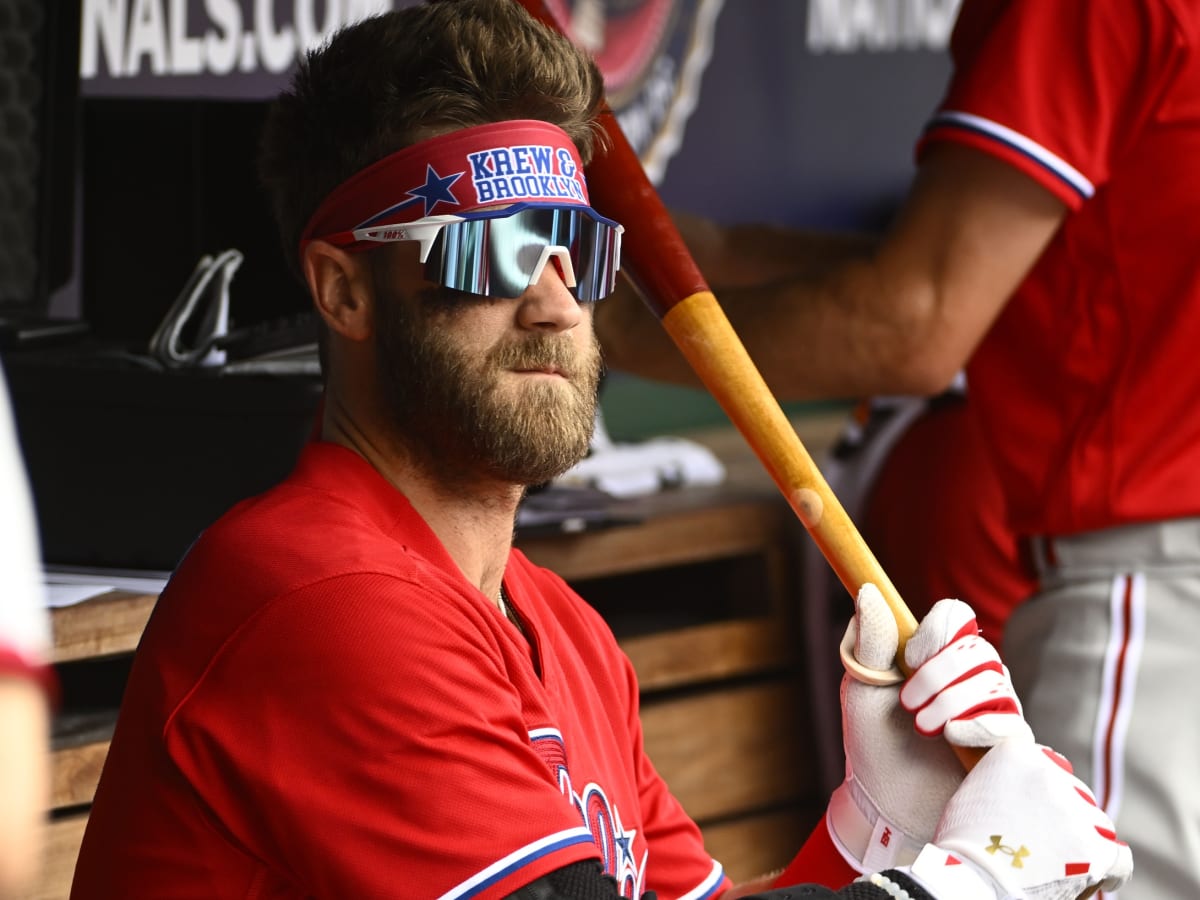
(678, 529)
(75, 772)
(731, 750)
(702, 653)
(104, 625)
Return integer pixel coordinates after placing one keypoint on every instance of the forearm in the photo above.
(823, 326)
(751, 269)
(754, 254)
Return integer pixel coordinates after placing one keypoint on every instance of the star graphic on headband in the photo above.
(436, 189)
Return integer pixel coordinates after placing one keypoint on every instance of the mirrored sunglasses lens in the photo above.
(458, 257)
(497, 257)
(594, 256)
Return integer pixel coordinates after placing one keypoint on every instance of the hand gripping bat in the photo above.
(658, 262)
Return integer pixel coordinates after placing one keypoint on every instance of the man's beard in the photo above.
(448, 407)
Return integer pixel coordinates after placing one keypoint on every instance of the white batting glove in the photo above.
(959, 688)
(1022, 826)
(900, 774)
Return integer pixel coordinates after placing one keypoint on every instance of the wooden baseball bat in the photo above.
(658, 262)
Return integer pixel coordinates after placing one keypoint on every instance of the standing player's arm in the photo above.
(757, 254)
(843, 316)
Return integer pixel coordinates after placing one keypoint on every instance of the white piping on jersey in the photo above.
(538, 734)
(497, 870)
(1056, 164)
(708, 885)
(1122, 658)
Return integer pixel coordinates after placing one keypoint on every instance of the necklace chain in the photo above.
(506, 607)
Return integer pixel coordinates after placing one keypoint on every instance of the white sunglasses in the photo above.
(500, 252)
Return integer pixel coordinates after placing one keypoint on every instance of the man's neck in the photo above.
(474, 524)
(473, 516)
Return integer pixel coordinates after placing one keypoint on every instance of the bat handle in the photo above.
(968, 756)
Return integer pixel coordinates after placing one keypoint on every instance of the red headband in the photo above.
(518, 161)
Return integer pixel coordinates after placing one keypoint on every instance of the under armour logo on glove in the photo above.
(1017, 854)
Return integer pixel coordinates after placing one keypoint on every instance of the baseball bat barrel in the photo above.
(658, 262)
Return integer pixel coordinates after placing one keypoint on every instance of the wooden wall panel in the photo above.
(756, 845)
(732, 751)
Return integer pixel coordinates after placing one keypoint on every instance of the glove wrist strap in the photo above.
(948, 876)
(867, 840)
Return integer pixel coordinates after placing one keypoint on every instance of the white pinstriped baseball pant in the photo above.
(1106, 658)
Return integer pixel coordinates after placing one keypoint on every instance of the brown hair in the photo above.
(392, 80)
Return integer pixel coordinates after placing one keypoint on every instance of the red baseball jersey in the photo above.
(323, 707)
(959, 546)
(1087, 382)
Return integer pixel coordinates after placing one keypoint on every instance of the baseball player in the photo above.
(355, 687)
(1048, 246)
(25, 680)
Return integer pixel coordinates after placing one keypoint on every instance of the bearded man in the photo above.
(354, 686)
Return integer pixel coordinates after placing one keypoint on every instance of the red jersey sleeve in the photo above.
(1054, 89)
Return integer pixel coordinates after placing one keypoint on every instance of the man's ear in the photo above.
(341, 289)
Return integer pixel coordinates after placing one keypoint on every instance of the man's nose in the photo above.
(548, 304)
